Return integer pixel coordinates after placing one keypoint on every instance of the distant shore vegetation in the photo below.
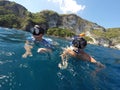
(109, 33)
(60, 32)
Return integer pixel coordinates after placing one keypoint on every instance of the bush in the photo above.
(60, 32)
(112, 33)
(88, 38)
(9, 20)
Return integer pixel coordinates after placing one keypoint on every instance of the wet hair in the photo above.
(36, 30)
(79, 43)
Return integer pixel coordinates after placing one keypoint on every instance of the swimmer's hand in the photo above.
(26, 55)
(28, 51)
(63, 65)
(42, 50)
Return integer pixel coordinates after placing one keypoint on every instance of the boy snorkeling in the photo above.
(77, 50)
(37, 38)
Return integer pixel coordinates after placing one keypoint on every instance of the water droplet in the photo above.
(6, 80)
(19, 84)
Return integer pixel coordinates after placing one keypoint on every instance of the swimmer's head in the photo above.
(79, 43)
(37, 30)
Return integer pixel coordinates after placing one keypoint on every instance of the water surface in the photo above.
(41, 72)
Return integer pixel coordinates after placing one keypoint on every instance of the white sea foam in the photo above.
(5, 61)
(6, 53)
(2, 76)
(23, 65)
(59, 74)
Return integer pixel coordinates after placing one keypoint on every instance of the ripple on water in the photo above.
(8, 82)
(6, 53)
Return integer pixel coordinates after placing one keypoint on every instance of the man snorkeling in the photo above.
(77, 50)
(37, 39)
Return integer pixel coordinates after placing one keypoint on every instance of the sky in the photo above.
(105, 13)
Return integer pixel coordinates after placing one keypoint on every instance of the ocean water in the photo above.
(41, 71)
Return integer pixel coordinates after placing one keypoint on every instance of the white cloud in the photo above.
(69, 6)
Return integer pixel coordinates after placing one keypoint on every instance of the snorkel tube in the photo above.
(82, 34)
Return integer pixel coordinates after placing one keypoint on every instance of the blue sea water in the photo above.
(41, 71)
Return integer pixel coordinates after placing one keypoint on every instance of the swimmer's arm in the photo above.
(92, 60)
(28, 48)
(64, 56)
(48, 47)
(42, 50)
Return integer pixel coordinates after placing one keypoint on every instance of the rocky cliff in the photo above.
(7, 7)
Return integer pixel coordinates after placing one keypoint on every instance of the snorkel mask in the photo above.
(37, 30)
(79, 43)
